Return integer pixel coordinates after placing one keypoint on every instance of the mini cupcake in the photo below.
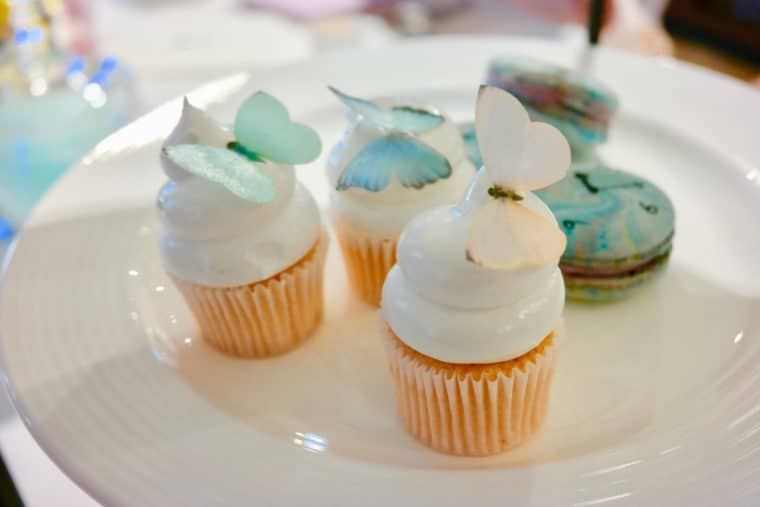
(580, 107)
(472, 310)
(242, 238)
(394, 161)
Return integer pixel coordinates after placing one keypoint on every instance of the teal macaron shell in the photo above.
(613, 219)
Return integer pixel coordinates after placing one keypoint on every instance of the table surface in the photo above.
(39, 481)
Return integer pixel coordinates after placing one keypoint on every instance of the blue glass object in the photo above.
(6, 230)
(56, 106)
(41, 136)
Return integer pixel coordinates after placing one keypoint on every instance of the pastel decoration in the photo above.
(264, 128)
(397, 151)
(519, 155)
(507, 235)
(263, 132)
(408, 119)
(413, 162)
(219, 165)
(470, 140)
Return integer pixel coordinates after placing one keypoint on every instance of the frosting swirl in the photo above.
(456, 311)
(212, 237)
(384, 214)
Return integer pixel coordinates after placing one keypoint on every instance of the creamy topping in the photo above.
(384, 214)
(212, 237)
(451, 309)
(194, 127)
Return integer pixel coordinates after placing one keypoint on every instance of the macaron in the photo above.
(619, 229)
(579, 106)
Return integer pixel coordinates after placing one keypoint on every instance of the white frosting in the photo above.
(446, 307)
(384, 214)
(194, 127)
(212, 237)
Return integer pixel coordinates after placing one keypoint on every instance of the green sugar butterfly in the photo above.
(263, 132)
(398, 152)
(225, 167)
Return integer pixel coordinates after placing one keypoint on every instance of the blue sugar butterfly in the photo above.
(412, 120)
(467, 130)
(414, 163)
(398, 152)
(263, 131)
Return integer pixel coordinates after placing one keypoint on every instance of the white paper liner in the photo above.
(472, 411)
(368, 261)
(263, 318)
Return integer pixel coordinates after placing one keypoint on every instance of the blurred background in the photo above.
(73, 71)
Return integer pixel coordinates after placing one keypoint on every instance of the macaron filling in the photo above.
(579, 272)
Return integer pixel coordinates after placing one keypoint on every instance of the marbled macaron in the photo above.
(619, 229)
(578, 105)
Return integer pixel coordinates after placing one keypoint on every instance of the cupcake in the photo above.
(579, 106)
(393, 161)
(471, 312)
(619, 229)
(242, 238)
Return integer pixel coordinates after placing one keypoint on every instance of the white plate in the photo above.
(657, 399)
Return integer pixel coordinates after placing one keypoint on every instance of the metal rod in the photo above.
(595, 16)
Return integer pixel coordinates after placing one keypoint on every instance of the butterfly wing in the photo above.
(546, 157)
(364, 108)
(518, 153)
(414, 163)
(470, 140)
(414, 120)
(506, 235)
(263, 126)
(500, 120)
(223, 166)
(407, 119)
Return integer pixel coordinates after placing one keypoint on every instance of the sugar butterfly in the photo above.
(397, 151)
(263, 132)
(467, 131)
(519, 155)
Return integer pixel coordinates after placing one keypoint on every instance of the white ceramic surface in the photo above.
(656, 401)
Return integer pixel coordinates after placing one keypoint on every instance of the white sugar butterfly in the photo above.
(519, 155)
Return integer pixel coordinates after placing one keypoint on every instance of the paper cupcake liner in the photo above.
(472, 409)
(367, 260)
(264, 318)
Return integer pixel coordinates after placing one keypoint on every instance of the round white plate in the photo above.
(657, 399)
